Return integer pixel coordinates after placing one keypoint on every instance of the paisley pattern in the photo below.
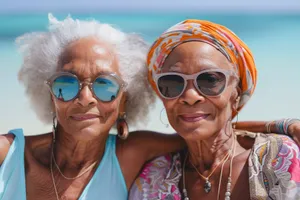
(274, 172)
(274, 163)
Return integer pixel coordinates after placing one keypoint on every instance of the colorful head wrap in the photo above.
(235, 50)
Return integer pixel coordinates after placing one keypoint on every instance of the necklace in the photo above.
(207, 185)
(52, 159)
(71, 178)
(51, 171)
(228, 189)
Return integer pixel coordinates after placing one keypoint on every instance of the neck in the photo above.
(72, 153)
(206, 154)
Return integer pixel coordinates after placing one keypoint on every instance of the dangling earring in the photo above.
(237, 119)
(122, 126)
(54, 127)
(235, 108)
(166, 125)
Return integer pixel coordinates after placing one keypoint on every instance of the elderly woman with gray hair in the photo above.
(84, 77)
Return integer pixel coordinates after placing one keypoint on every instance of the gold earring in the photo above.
(122, 126)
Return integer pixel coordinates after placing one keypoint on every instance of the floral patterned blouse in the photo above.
(273, 165)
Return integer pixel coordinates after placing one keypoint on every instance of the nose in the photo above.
(86, 97)
(191, 95)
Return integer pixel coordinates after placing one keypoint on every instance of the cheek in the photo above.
(222, 105)
(169, 106)
(61, 110)
(61, 107)
(109, 111)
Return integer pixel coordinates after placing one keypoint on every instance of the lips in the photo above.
(195, 117)
(83, 117)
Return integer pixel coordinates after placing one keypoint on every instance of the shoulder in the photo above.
(272, 145)
(139, 140)
(158, 179)
(135, 143)
(276, 154)
(5, 142)
(277, 159)
(287, 156)
(38, 147)
(275, 143)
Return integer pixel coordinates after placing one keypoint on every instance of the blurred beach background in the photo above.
(270, 28)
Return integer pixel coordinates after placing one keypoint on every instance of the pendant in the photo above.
(185, 195)
(207, 186)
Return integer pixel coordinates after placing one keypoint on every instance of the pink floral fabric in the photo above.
(274, 172)
(274, 163)
(159, 180)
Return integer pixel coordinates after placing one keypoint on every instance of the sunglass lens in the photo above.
(65, 88)
(211, 83)
(170, 86)
(106, 89)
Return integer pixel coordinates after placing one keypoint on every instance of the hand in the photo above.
(294, 132)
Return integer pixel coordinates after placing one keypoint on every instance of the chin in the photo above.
(195, 134)
(86, 132)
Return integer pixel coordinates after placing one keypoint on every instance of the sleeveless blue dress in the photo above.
(107, 183)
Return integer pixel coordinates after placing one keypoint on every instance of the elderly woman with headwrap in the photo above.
(205, 74)
(82, 76)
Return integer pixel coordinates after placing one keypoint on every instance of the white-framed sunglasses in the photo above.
(211, 82)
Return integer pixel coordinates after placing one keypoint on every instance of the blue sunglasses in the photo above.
(66, 86)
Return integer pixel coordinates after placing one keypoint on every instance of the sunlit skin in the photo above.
(205, 122)
(84, 125)
(86, 115)
(85, 122)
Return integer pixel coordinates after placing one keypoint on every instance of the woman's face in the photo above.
(86, 115)
(193, 115)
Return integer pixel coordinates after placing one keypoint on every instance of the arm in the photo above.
(5, 143)
(293, 130)
(253, 126)
(151, 144)
(142, 146)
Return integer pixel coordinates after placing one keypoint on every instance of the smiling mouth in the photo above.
(193, 117)
(84, 117)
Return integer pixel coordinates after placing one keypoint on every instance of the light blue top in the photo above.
(107, 183)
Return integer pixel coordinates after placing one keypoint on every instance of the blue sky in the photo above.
(126, 5)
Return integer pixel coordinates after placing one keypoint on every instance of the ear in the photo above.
(52, 104)
(122, 106)
(236, 97)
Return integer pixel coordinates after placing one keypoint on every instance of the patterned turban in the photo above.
(223, 39)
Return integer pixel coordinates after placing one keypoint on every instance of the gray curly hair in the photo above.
(42, 50)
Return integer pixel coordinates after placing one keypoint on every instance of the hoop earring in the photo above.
(237, 119)
(122, 127)
(166, 125)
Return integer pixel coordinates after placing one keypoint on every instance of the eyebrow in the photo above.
(102, 72)
(204, 65)
(175, 68)
(68, 71)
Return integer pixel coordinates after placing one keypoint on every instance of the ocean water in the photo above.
(273, 38)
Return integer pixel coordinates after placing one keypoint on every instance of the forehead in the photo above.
(89, 57)
(192, 57)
